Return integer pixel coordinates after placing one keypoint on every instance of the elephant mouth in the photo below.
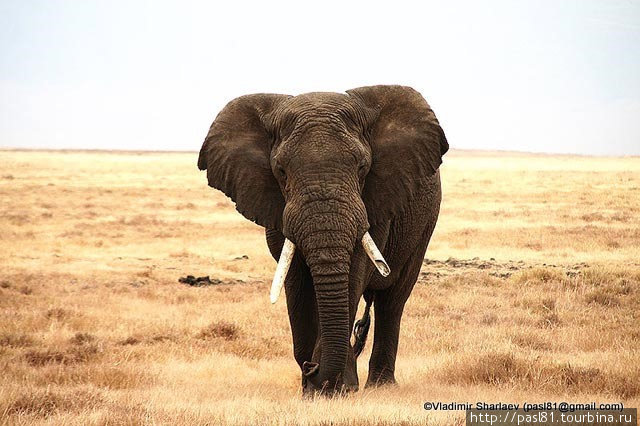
(289, 248)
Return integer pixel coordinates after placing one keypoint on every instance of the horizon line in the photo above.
(451, 151)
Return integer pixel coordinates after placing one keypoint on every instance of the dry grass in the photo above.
(220, 329)
(505, 369)
(95, 328)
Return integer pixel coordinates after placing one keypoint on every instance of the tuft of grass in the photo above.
(602, 297)
(544, 308)
(153, 338)
(539, 275)
(611, 276)
(550, 319)
(82, 338)
(46, 402)
(220, 329)
(591, 379)
(489, 318)
(609, 285)
(15, 340)
(491, 369)
(531, 341)
(84, 353)
(131, 340)
(162, 337)
(58, 314)
(592, 217)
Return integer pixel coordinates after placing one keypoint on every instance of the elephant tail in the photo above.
(361, 327)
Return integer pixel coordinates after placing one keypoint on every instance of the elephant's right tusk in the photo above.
(286, 256)
(375, 255)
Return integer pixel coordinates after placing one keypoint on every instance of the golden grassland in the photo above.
(531, 292)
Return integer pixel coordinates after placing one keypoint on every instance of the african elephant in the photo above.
(335, 179)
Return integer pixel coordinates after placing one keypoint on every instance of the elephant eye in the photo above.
(362, 168)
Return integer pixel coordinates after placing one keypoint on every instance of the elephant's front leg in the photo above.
(301, 302)
(388, 307)
(301, 305)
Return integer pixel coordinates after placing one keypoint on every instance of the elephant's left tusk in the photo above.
(375, 255)
(286, 256)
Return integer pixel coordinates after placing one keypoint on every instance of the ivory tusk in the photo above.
(286, 256)
(375, 255)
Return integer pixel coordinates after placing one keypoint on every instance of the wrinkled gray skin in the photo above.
(321, 169)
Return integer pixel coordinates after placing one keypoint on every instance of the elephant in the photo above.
(347, 187)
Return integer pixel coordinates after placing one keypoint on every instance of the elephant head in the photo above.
(322, 168)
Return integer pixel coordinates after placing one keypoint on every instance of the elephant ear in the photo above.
(236, 155)
(407, 145)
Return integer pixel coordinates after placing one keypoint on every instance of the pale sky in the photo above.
(541, 76)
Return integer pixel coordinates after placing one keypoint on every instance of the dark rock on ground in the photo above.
(200, 281)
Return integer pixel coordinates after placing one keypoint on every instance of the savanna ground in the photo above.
(531, 292)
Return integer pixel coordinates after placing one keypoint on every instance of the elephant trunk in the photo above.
(328, 255)
(326, 227)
